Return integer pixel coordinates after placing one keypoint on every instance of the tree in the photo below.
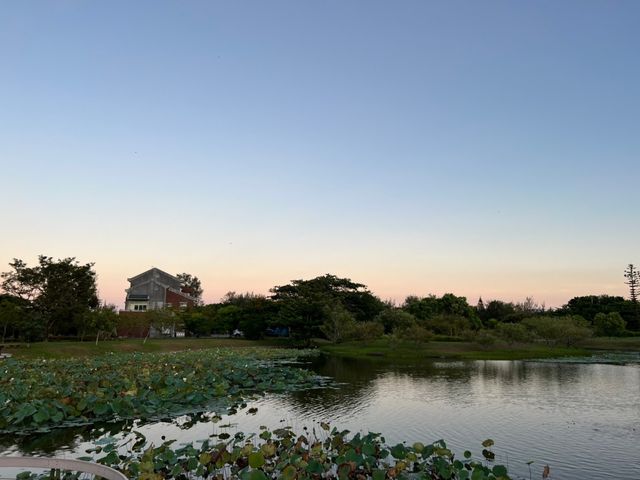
(565, 330)
(448, 305)
(10, 314)
(338, 323)
(192, 285)
(164, 321)
(302, 304)
(588, 306)
(394, 318)
(61, 291)
(513, 332)
(633, 280)
(498, 310)
(251, 313)
(447, 324)
(102, 320)
(609, 324)
(530, 307)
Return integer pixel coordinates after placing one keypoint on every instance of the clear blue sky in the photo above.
(481, 148)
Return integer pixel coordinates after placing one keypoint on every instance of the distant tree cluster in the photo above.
(55, 297)
(59, 298)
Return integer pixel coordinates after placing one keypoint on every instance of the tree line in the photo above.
(59, 298)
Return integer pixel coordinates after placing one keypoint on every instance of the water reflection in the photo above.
(59, 439)
(581, 419)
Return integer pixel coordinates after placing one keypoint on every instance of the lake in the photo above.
(581, 419)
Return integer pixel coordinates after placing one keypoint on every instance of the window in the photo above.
(183, 304)
(140, 308)
(168, 305)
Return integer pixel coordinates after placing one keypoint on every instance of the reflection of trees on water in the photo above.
(53, 441)
(359, 382)
(70, 438)
(425, 389)
(352, 389)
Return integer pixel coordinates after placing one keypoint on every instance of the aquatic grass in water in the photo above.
(605, 357)
(38, 395)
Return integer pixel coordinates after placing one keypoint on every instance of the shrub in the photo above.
(341, 326)
(609, 324)
(364, 331)
(484, 338)
(446, 324)
(413, 333)
(338, 323)
(567, 330)
(514, 333)
(393, 318)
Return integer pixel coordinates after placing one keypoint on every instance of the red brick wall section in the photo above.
(175, 298)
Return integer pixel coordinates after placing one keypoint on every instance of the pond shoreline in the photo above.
(376, 349)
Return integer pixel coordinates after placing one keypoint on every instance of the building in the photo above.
(155, 289)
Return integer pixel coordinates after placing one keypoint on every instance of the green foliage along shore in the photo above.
(58, 299)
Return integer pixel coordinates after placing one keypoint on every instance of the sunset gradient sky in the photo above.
(482, 148)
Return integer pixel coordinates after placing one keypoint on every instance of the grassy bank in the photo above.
(90, 349)
(409, 351)
(628, 344)
(381, 348)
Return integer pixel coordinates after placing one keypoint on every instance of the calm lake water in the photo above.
(583, 420)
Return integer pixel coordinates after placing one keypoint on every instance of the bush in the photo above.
(565, 331)
(341, 326)
(413, 333)
(446, 324)
(393, 318)
(609, 325)
(338, 323)
(364, 331)
(484, 338)
(514, 333)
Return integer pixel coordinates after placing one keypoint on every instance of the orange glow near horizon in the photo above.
(555, 293)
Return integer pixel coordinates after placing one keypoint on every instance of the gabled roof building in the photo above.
(155, 289)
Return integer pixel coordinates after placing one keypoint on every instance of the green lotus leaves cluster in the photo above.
(39, 394)
(282, 454)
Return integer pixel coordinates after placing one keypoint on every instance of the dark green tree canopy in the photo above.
(249, 312)
(193, 284)
(303, 304)
(59, 291)
(431, 306)
(589, 305)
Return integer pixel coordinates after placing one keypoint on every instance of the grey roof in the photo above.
(151, 270)
(135, 296)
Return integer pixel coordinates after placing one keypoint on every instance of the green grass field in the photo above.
(83, 349)
(630, 344)
(408, 351)
(381, 348)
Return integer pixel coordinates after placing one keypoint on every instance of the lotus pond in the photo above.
(581, 419)
(38, 395)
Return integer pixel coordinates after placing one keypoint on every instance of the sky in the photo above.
(481, 148)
